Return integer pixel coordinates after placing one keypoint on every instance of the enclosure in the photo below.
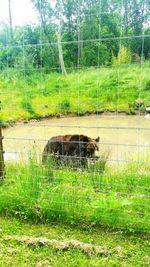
(76, 68)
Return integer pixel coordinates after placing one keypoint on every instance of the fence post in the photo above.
(2, 165)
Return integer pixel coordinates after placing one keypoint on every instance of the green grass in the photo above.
(86, 91)
(120, 249)
(100, 195)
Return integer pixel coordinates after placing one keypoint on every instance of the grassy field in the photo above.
(57, 245)
(117, 197)
(39, 95)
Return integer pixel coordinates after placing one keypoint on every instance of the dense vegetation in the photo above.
(91, 35)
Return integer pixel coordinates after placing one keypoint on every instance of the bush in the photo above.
(64, 105)
(123, 57)
(27, 105)
(147, 86)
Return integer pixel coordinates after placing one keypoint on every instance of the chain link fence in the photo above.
(76, 91)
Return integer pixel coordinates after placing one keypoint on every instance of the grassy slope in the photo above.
(92, 90)
(121, 249)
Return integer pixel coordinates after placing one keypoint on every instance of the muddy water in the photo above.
(119, 134)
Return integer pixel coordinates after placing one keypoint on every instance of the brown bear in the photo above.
(76, 147)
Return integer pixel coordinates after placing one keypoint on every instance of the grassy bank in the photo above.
(38, 95)
(99, 196)
(19, 246)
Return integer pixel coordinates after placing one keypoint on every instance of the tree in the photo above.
(47, 14)
(59, 17)
(73, 33)
(135, 16)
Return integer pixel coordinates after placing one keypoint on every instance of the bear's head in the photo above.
(92, 148)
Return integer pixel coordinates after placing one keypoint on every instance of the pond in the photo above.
(119, 134)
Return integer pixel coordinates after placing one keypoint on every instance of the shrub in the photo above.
(64, 105)
(123, 57)
(147, 86)
(27, 105)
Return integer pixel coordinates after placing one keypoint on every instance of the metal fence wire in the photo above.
(75, 97)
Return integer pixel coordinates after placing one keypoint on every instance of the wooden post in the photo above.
(2, 165)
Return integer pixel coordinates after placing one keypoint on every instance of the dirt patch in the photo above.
(86, 248)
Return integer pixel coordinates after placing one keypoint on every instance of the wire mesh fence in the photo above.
(75, 87)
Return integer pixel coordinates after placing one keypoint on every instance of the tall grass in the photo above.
(48, 193)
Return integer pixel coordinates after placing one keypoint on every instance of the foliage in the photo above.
(123, 57)
(27, 105)
(96, 27)
(64, 106)
(147, 86)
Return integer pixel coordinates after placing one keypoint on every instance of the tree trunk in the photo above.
(2, 166)
(61, 58)
(10, 21)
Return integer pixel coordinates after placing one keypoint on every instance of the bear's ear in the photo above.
(97, 139)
